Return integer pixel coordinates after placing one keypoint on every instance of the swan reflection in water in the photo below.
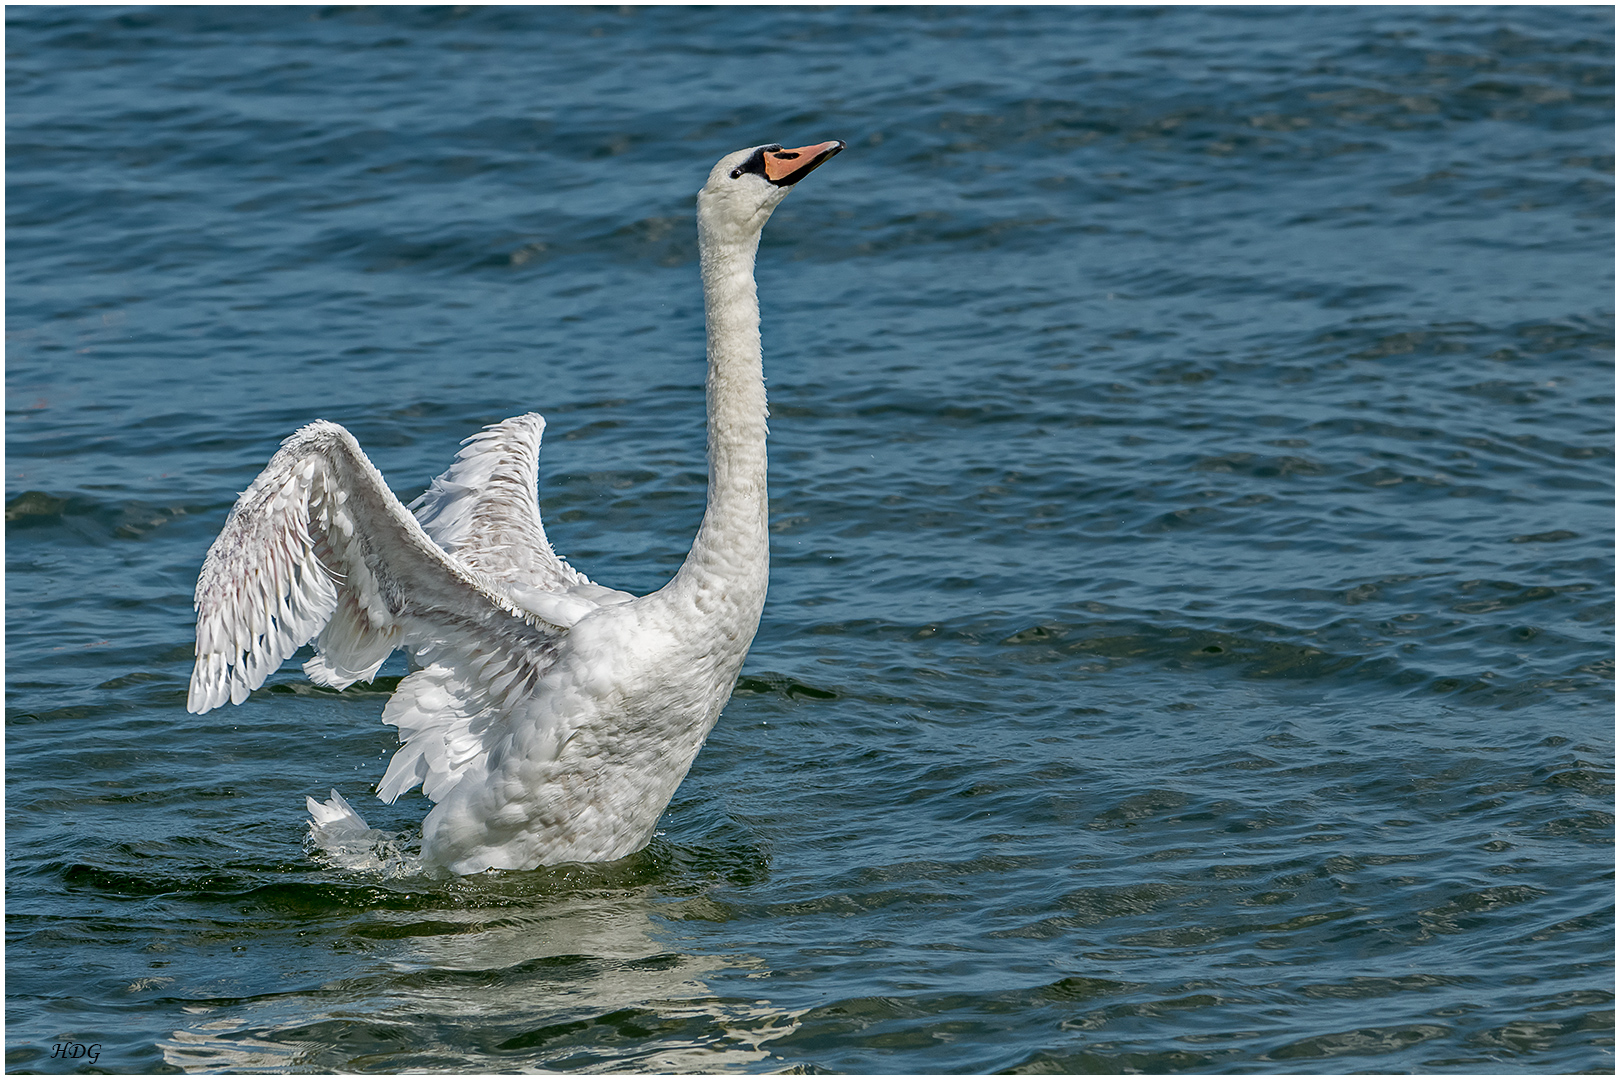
(590, 977)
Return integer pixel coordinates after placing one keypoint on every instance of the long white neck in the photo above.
(725, 574)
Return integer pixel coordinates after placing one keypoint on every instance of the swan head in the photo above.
(746, 186)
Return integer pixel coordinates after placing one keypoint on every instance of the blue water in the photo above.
(1190, 639)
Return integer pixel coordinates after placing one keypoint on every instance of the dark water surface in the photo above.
(1190, 633)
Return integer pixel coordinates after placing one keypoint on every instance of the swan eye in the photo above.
(756, 161)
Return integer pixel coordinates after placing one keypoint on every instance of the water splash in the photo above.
(340, 839)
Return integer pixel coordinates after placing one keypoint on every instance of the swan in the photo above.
(549, 719)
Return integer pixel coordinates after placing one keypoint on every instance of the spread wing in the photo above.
(483, 511)
(319, 545)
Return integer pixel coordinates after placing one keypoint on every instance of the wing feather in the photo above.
(483, 509)
(318, 545)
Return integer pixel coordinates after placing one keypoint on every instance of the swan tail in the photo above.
(334, 820)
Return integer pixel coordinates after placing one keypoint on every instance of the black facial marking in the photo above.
(756, 161)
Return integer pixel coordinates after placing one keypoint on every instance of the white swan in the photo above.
(550, 719)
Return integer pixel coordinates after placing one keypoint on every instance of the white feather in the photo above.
(549, 718)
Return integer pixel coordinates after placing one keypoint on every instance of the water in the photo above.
(1189, 644)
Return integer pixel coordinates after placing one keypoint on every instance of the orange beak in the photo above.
(785, 168)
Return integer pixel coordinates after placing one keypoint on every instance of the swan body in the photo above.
(549, 718)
